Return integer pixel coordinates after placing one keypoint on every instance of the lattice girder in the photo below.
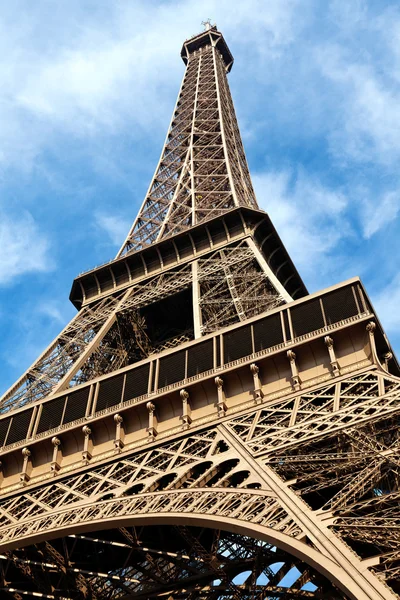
(205, 566)
(112, 333)
(262, 461)
(202, 170)
(220, 473)
(112, 492)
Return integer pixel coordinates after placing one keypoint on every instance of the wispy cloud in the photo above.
(387, 302)
(52, 310)
(111, 70)
(377, 213)
(23, 248)
(307, 214)
(115, 227)
(368, 125)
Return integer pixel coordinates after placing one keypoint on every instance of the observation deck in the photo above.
(210, 36)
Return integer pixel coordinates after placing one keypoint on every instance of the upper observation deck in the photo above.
(209, 37)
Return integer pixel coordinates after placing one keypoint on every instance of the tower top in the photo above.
(207, 24)
(211, 36)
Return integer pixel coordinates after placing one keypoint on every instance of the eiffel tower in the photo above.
(204, 428)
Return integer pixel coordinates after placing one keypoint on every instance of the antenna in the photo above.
(207, 25)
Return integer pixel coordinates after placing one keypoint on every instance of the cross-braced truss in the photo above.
(114, 332)
(233, 287)
(229, 473)
(202, 170)
(175, 562)
(291, 496)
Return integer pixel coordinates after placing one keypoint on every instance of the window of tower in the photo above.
(170, 320)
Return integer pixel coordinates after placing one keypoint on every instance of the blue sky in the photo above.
(87, 89)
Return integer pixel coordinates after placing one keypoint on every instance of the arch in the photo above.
(110, 514)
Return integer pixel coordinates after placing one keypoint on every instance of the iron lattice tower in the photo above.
(204, 428)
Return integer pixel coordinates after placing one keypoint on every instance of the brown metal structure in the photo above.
(204, 428)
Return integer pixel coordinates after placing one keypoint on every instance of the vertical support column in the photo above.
(258, 393)
(371, 331)
(336, 399)
(221, 403)
(197, 319)
(386, 359)
(295, 373)
(119, 432)
(25, 474)
(192, 132)
(186, 409)
(87, 444)
(222, 125)
(332, 356)
(55, 464)
(152, 428)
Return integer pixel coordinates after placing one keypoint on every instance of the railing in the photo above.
(294, 323)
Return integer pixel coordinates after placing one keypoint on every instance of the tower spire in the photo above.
(207, 25)
(202, 171)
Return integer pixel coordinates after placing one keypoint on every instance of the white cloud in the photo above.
(103, 72)
(23, 249)
(85, 74)
(387, 303)
(115, 227)
(366, 122)
(348, 14)
(307, 215)
(69, 73)
(380, 212)
(52, 311)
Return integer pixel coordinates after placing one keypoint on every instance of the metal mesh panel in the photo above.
(172, 369)
(91, 288)
(361, 298)
(218, 351)
(168, 254)
(110, 392)
(286, 324)
(105, 280)
(152, 260)
(200, 239)
(184, 247)
(51, 414)
(234, 224)
(217, 231)
(307, 317)
(200, 358)
(339, 305)
(120, 273)
(237, 344)
(267, 333)
(4, 423)
(136, 266)
(76, 405)
(19, 426)
(137, 382)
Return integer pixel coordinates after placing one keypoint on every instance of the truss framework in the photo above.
(200, 564)
(292, 497)
(202, 171)
(112, 333)
(236, 473)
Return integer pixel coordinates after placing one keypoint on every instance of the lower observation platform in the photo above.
(276, 354)
(233, 226)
